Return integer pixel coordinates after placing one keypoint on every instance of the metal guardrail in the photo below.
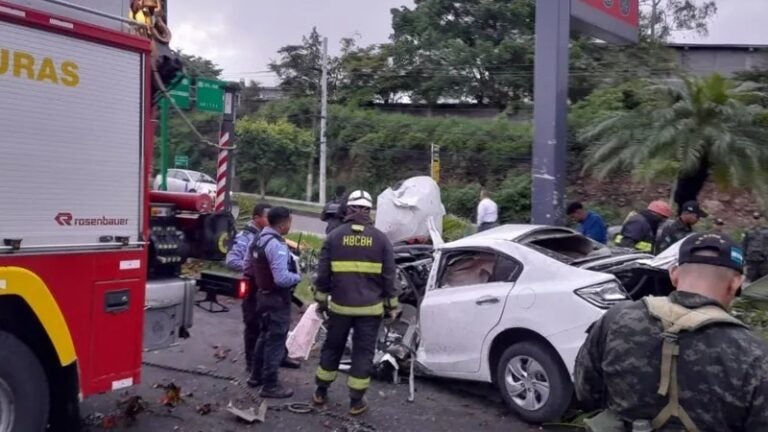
(308, 206)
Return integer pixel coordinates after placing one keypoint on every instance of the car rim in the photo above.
(527, 383)
(6, 407)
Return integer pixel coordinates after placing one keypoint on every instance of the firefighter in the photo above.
(335, 210)
(274, 274)
(357, 270)
(237, 261)
(639, 229)
(756, 249)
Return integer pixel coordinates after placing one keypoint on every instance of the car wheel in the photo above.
(533, 382)
(24, 396)
(192, 191)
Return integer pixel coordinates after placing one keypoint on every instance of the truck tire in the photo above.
(533, 382)
(24, 397)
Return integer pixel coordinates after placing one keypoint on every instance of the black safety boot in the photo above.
(321, 395)
(276, 392)
(254, 382)
(357, 407)
(290, 364)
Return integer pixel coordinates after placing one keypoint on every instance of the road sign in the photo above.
(210, 95)
(615, 21)
(181, 161)
(180, 93)
(435, 163)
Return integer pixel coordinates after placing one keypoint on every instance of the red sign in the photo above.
(625, 10)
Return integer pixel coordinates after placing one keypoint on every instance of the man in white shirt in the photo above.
(487, 212)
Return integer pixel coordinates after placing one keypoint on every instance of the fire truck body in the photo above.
(77, 143)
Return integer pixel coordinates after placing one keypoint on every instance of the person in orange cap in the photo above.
(639, 230)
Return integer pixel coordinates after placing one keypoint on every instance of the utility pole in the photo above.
(323, 118)
(164, 102)
(226, 140)
(550, 110)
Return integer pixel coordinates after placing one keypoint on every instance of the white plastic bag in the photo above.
(302, 338)
(403, 213)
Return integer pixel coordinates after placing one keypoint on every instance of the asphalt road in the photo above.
(439, 406)
(308, 224)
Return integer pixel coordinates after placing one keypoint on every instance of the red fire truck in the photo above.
(78, 235)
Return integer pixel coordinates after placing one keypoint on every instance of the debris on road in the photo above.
(204, 409)
(134, 406)
(249, 415)
(172, 396)
(222, 354)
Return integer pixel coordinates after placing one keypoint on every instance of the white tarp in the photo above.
(403, 213)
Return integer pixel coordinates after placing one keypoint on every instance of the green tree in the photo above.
(196, 66)
(686, 130)
(470, 50)
(300, 67)
(265, 150)
(659, 18)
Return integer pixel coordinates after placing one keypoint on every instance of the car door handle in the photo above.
(486, 300)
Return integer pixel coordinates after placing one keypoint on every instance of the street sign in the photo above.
(614, 21)
(180, 93)
(210, 95)
(181, 161)
(435, 163)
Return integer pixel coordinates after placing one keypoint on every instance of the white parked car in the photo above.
(512, 305)
(181, 180)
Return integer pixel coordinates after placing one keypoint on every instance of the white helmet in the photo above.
(360, 198)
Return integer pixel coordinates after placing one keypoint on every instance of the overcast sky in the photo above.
(242, 36)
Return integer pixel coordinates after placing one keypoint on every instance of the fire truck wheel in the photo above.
(24, 397)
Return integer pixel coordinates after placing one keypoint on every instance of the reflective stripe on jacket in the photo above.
(357, 269)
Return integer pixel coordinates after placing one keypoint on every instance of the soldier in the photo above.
(756, 249)
(674, 231)
(357, 269)
(679, 362)
(640, 228)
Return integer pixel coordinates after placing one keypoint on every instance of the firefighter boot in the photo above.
(321, 395)
(357, 406)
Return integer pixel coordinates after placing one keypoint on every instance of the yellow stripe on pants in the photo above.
(358, 383)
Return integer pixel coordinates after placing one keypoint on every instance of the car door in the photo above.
(464, 304)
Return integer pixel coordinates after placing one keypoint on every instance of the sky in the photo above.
(242, 36)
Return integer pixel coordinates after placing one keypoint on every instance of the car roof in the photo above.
(513, 232)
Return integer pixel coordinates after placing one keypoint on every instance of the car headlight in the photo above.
(603, 295)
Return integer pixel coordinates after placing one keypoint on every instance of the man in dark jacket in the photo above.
(335, 210)
(357, 269)
(674, 231)
(639, 230)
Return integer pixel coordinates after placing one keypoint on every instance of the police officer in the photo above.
(357, 270)
(679, 362)
(275, 275)
(756, 249)
(640, 228)
(237, 261)
(674, 231)
(335, 210)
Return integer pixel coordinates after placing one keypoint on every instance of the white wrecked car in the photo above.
(512, 305)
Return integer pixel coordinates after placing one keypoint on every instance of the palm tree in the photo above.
(688, 130)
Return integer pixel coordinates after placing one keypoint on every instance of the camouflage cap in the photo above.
(728, 252)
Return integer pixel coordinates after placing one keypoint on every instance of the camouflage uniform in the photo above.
(756, 250)
(722, 370)
(670, 233)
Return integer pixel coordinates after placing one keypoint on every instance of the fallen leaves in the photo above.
(172, 395)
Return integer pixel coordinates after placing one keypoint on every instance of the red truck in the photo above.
(84, 253)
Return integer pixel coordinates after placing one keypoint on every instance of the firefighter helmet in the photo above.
(360, 198)
(661, 208)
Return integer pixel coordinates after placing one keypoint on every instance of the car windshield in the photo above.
(200, 177)
(566, 246)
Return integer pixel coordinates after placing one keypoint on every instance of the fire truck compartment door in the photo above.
(116, 310)
(71, 138)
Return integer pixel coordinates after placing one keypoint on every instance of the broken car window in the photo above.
(465, 268)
